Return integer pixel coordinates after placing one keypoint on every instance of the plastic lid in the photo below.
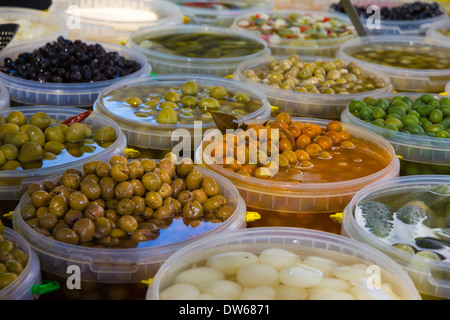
(278, 45)
(402, 79)
(21, 288)
(329, 106)
(129, 265)
(159, 136)
(63, 94)
(428, 275)
(300, 241)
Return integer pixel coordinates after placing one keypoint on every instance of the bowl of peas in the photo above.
(417, 126)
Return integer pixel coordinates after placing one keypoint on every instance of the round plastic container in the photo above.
(35, 25)
(433, 30)
(200, 13)
(410, 147)
(166, 63)
(307, 205)
(429, 276)
(14, 183)
(302, 242)
(118, 266)
(4, 97)
(21, 288)
(314, 47)
(114, 20)
(402, 79)
(166, 136)
(329, 106)
(391, 27)
(29, 92)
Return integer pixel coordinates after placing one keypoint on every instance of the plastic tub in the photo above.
(304, 243)
(415, 148)
(141, 133)
(4, 97)
(166, 63)
(15, 183)
(30, 92)
(430, 276)
(116, 268)
(307, 205)
(391, 27)
(21, 288)
(433, 30)
(219, 16)
(329, 106)
(315, 47)
(37, 25)
(114, 20)
(402, 79)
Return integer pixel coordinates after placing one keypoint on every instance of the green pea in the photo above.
(397, 110)
(424, 111)
(408, 119)
(415, 129)
(366, 113)
(355, 105)
(378, 113)
(395, 122)
(434, 128)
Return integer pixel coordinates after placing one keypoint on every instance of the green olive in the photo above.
(7, 128)
(16, 138)
(6, 279)
(218, 92)
(41, 120)
(184, 167)
(105, 134)
(54, 134)
(209, 103)
(127, 223)
(31, 151)
(75, 132)
(210, 186)
(10, 151)
(54, 147)
(85, 229)
(194, 180)
(67, 235)
(2, 158)
(189, 102)
(35, 134)
(172, 96)
(192, 210)
(189, 88)
(167, 116)
(16, 117)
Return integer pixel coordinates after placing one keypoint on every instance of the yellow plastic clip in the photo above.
(8, 215)
(123, 42)
(132, 153)
(147, 282)
(186, 19)
(230, 76)
(252, 216)
(337, 217)
(274, 108)
(400, 157)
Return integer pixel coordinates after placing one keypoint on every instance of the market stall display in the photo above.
(112, 21)
(413, 63)
(19, 265)
(219, 13)
(279, 263)
(407, 219)
(34, 25)
(196, 49)
(394, 17)
(298, 32)
(164, 111)
(416, 126)
(311, 86)
(66, 72)
(298, 181)
(129, 234)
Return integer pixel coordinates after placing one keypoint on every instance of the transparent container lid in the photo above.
(329, 106)
(429, 276)
(402, 79)
(130, 265)
(29, 92)
(302, 242)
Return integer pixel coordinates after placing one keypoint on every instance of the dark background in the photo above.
(34, 4)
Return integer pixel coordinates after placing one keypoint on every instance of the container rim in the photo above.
(60, 249)
(393, 39)
(433, 32)
(69, 88)
(283, 42)
(305, 238)
(291, 188)
(357, 232)
(180, 78)
(69, 111)
(207, 11)
(400, 137)
(62, 6)
(188, 28)
(305, 96)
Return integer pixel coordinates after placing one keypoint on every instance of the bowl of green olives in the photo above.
(158, 112)
(19, 267)
(413, 63)
(311, 86)
(35, 144)
(62, 77)
(407, 219)
(197, 49)
(417, 126)
(119, 220)
(298, 32)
